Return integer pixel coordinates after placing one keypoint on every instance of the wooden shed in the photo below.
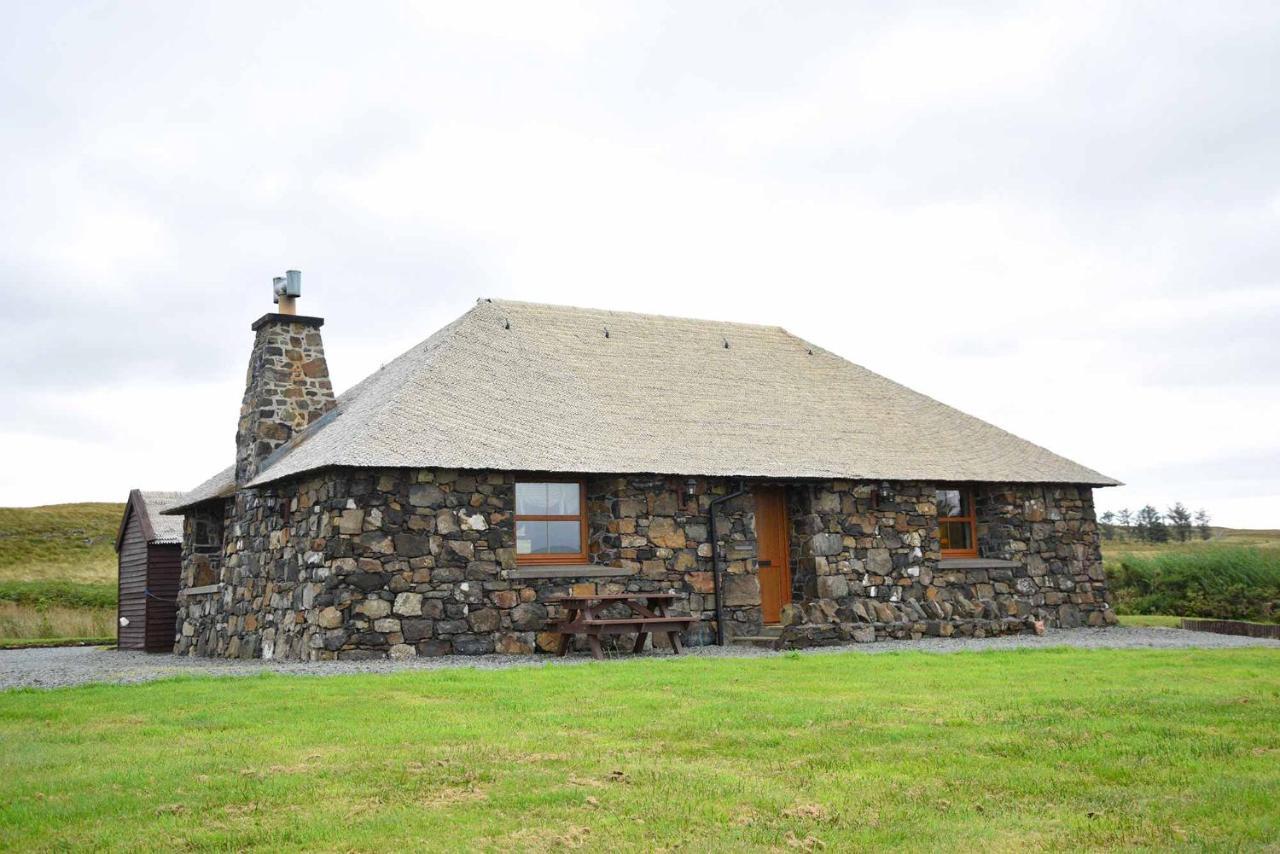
(150, 550)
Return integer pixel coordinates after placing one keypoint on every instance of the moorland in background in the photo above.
(58, 573)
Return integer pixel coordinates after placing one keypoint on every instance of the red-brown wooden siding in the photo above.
(162, 612)
(147, 567)
(133, 583)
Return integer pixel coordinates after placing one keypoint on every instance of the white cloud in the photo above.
(1060, 219)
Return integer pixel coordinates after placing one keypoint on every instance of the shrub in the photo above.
(1223, 582)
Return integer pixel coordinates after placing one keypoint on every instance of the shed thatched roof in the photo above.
(150, 507)
(531, 387)
(165, 529)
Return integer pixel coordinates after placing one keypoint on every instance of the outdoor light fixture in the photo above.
(690, 487)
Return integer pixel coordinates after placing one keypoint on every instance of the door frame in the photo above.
(785, 565)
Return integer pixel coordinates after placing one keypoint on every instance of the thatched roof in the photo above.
(221, 485)
(150, 506)
(530, 387)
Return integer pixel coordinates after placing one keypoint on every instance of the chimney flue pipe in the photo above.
(287, 289)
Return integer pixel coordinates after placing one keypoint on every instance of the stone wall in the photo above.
(1051, 532)
(869, 567)
(200, 590)
(360, 564)
(202, 537)
(855, 546)
(659, 527)
(365, 563)
(376, 563)
(286, 388)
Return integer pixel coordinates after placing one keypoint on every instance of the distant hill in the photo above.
(69, 542)
(1125, 543)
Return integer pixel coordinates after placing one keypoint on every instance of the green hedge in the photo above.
(1221, 582)
(69, 594)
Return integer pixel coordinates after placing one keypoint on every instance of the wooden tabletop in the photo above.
(612, 597)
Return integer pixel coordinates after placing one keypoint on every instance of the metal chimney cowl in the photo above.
(286, 289)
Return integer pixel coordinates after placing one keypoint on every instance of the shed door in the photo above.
(772, 551)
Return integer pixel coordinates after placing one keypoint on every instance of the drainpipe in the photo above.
(715, 559)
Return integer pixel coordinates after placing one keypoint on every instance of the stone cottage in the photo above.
(525, 451)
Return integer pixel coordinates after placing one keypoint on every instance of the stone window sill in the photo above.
(197, 591)
(976, 563)
(580, 570)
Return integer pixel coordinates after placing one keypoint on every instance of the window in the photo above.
(956, 523)
(204, 533)
(551, 523)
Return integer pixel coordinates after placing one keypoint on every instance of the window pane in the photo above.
(955, 535)
(952, 502)
(531, 538)
(562, 499)
(564, 537)
(548, 538)
(531, 499)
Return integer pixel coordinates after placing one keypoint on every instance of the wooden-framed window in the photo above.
(551, 522)
(957, 524)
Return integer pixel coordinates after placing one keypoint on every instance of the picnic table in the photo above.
(648, 615)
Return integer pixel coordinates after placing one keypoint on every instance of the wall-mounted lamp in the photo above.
(881, 495)
(691, 487)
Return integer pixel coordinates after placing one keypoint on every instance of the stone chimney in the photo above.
(287, 386)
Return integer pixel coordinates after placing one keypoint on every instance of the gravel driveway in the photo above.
(55, 668)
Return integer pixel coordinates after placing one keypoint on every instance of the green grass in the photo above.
(1124, 544)
(54, 621)
(1160, 621)
(58, 572)
(1009, 751)
(67, 594)
(29, 643)
(56, 610)
(62, 542)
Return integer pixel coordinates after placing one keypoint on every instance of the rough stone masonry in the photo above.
(287, 388)
(402, 562)
(358, 563)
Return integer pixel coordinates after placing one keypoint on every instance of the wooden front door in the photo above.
(773, 551)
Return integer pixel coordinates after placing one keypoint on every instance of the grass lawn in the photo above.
(1018, 750)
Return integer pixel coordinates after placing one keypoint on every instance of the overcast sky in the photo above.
(1062, 218)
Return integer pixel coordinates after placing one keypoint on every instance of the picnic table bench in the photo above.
(648, 615)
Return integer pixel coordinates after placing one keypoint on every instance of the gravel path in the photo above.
(55, 668)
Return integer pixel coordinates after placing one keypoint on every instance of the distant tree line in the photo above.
(1149, 525)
